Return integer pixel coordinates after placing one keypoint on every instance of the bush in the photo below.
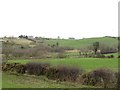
(110, 56)
(100, 77)
(68, 73)
(36, 68)
(8, 67)
(58, 49)
(15, 51)
(63, 73)
(119, 56)
(100, 56)
(117, 74)
(20, 68)
(52, 73)
(14, 67)
(61, 55)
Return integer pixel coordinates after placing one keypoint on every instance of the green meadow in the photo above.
(83, 43)
(88, 64)
(77, 43)
(12, 80)
(71, 59)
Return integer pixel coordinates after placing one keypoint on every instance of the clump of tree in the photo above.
(101, 77)
(23, 36)
(95, 46)
(108, 49)
(100, 48)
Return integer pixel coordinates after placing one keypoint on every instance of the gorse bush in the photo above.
(36, 68)
(14, 67)
(19, 68)
(63, 73)
(52, 73)
(68, 73)
(100, 77)
(9, 67)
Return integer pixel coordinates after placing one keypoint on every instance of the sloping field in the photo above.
(20, 41)
(83, 43)
(24, 81)
(88, 64)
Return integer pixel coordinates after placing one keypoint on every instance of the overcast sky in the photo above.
(64, 18)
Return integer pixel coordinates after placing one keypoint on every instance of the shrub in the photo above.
(117, 74)
(100, 56)
(119, 56)
(63, 73)
(112, 56)
(58, 49)
(100, 77)
(36, 68)
(61, 55)
(68, 73)
(52, 73)
(20, 68)
(9, 67)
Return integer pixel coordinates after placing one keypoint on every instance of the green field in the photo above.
(11, 80)
(88, 64)
(83, 43)
(77, 43)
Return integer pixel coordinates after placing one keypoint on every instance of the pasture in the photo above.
(24, 51)
(77, 43)
(11, 80)
(83, 43)
(88, 64)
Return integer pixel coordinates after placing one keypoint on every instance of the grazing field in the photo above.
(88, 64)
(83, 43)
(11, 80)
(77, 43)
(58, 52)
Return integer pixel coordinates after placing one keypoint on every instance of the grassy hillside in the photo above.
(88, 64)
(19, 41)
(83, 43)
(24, 81)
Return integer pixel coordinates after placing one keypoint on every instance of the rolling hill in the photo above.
(76, 43)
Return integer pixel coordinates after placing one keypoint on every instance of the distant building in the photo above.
(30, 37)
(71, 38)
(38, 38)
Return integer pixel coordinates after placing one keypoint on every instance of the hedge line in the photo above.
(100, 77)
